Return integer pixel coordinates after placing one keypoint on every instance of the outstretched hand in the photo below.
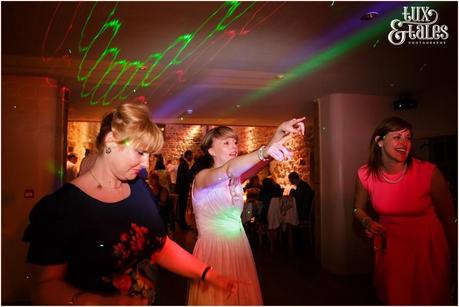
(276, 148)
(294, 125)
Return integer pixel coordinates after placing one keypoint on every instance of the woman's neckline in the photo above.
(107, 203)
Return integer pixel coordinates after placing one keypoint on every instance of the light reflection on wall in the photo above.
(181, 137)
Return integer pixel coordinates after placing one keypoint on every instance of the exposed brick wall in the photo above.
(179, 138)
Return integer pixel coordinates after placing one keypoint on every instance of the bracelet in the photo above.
(203, 275)
(73, 299)
(260, 153)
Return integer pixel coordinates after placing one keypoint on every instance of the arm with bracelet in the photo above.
(175, 259)
(361, 199)
(50, 287)
(239, 165)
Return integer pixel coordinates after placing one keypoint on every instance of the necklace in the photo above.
(395, 180)
(99, 185)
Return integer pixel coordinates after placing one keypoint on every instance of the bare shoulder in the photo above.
(201, 175)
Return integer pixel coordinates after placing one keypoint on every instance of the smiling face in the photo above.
(395, 146)
(223, 149)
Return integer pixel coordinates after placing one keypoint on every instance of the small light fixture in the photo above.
(369, 16)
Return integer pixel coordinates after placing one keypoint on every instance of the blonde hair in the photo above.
(131, 125)
(216, 133)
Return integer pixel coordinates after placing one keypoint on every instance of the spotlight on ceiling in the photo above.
(369, 16)
(185, 114)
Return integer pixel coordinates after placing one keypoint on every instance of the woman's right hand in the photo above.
(373, 228)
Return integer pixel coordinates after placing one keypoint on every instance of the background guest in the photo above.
(71, 170)
(183, 188)
(303, 196)
(160, 170)
(171, 169)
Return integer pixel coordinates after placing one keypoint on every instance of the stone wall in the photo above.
(179, 138)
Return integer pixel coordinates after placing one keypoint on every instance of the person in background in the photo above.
(97, 239)
(162, 196)
(171, 169)
(254, 183)
(303, 196)
(71, 171)
(416, 230)
(183, 188)
(160, 170)
(265, 195)
(217, 197)
(200, 162)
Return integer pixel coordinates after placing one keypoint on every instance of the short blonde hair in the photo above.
(217, 133)
(130, 124)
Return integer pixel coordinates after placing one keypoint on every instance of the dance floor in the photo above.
(286, 278)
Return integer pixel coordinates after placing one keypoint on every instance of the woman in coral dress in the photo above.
(218, 203)
(416, 228)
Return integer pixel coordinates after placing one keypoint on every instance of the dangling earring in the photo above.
(108, 150)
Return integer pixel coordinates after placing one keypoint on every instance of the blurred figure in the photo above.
(71, 170)
(303, 195)
(266, 193)
(161, 194)
(254, 183)
(200, 162)
(416, 219)
(183, 188)
(160, 170)
(171, 169)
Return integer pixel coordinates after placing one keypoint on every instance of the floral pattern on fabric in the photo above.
(136, 275)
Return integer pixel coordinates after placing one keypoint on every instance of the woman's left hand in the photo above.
(294, 125)
(276, 148)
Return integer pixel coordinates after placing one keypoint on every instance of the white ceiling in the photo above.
(265, 66)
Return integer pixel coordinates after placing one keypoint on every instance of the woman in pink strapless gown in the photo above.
(217, 204)
(416, 229)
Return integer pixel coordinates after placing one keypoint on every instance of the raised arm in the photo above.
(239, 165)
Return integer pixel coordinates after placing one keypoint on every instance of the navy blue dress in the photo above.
(94, 238)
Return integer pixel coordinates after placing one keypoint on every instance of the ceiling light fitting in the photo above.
(369, 16)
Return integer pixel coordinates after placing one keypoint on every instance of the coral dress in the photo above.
(414, 268)
(222, 244)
